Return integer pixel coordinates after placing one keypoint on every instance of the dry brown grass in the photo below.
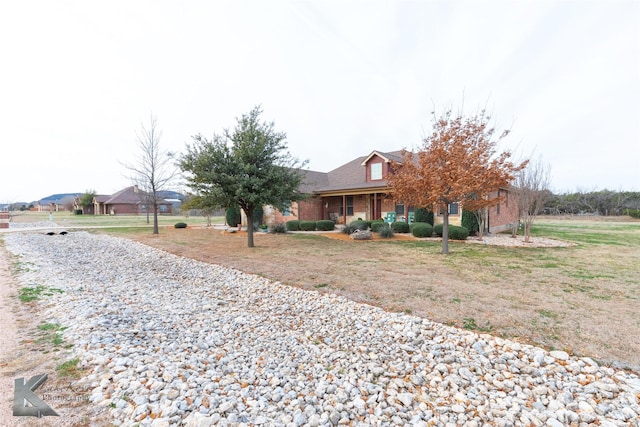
(583, 299)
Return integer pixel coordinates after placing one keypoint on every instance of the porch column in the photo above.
(375, 215)
(344, 209)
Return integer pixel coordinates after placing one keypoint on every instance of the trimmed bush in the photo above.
(232, 214)
(360, 225)
(400, 227)
(325, 225)
(423, 215)
(377, 225)
(348, 229)
(458, 233)
(180, 225)
(278, 228)
(293, 225)
(307, 225)
(470, 221)
(455, 232)
(385, 231)
(422, 229)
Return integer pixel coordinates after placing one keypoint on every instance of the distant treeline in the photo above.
(604, 202)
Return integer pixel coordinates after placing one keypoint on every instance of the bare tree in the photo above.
(531, 187)
(154, 169)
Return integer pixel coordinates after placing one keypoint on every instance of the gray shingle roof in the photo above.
(351, 175)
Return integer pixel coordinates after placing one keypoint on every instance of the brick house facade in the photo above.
(358, 189)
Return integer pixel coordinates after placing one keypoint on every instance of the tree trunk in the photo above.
(155, 217)
(445, 231)
(249, 227)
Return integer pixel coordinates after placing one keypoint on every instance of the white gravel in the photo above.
(172, 341)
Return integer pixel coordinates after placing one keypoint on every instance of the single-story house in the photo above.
(129, 201)
(358, 189)
(55, 202)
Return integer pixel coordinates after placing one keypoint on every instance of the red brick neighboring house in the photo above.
(129, 201)
(358, 189)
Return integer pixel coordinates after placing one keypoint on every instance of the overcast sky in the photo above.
(341, 78)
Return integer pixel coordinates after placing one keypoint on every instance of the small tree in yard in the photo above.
(458, 163)
(248, 167)
(532, 192)
(86, 200)
(153, 170)
(207, 205)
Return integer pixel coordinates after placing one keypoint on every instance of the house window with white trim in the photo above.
(376, 171)
(453, 209)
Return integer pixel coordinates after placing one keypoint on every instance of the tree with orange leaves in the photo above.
(458, 163)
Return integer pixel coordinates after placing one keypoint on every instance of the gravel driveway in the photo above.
(172, 341)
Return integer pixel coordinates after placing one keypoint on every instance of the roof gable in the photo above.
(387, 157)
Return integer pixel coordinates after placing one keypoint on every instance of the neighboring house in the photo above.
(358, 189)
(55, 202)
(129, 201)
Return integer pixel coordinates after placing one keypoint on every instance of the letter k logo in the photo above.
(23, 395)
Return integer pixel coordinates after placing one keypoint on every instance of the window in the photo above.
(143, 208)
(163, 208)
(498, 205)
(287, 211)
(453, 209)
(400, 209)
(349, 205)
(376, 171)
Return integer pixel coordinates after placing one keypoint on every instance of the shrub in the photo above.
(633, 213)
(470, 221)
(385, 231)
(455, 232)
(360, 225)
(348, 229)
(307, 225)
(180, 225)
(422, 229)
(232, 214)
(278, 228)
(325, 225)
(400, 227)
(293, 225)
(458, 233)
(377, 225)
(423, 215)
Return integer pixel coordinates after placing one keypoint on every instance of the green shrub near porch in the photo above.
(325, 225)
(456, 232)
(400, 227)
(293, 225)
(376, 225)
(421, 229)
(307, 225)
(360, 224)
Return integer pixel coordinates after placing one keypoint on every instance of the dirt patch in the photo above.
(581, 299)
(23, 354)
